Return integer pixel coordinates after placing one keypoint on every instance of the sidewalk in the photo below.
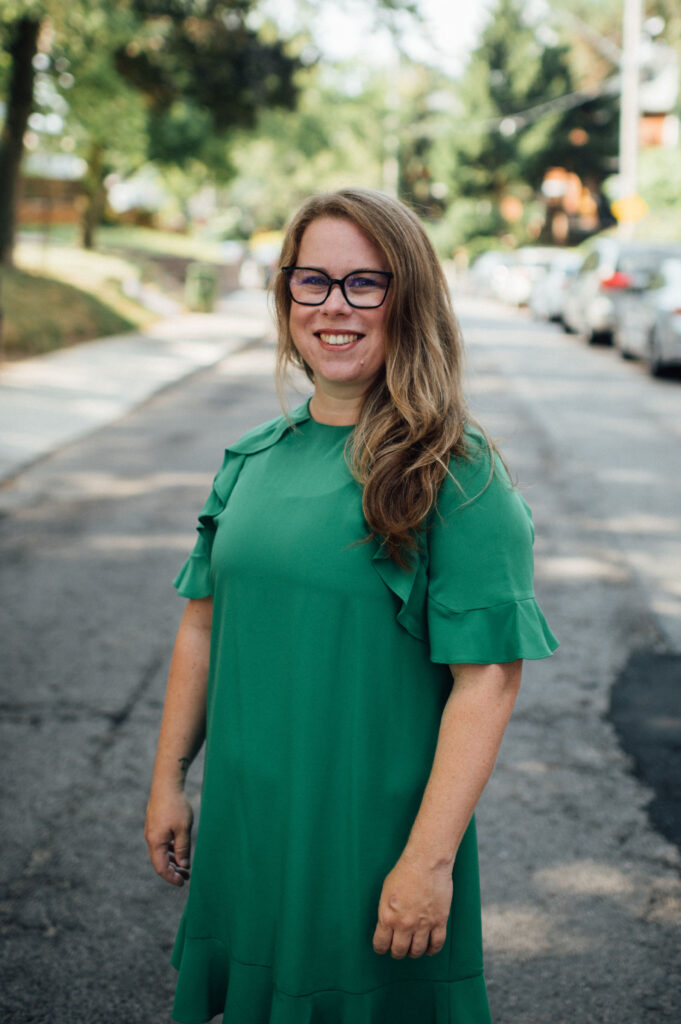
(51, 400)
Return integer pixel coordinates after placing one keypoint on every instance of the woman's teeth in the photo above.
(338, 339)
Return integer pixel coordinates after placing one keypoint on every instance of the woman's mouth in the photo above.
(338, 339)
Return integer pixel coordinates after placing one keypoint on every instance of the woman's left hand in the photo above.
(413, 910)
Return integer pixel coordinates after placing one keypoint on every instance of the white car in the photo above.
(548, 291)
(488, 272)
(526, 266)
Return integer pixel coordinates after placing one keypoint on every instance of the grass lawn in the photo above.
(101, 274)
(159, 243)
(42, 313)
(59, 293)
(122, 237)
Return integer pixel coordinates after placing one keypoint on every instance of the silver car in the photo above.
(606, 274)
(649, 318)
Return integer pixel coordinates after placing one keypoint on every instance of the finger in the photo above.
(400, 945)
(437, 940)
(181, 845)
(181, 868)
(182, 872)
(419, 943)
(383, 936)
(160, 858)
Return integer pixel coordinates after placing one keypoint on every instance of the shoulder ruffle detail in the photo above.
(410, 586)
(484, 636)
(468, 593)
(194, 578)
(267, 434)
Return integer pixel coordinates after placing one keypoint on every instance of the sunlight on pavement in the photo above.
(521, 928)
(585, 878)
(640, 522)
(580, 567)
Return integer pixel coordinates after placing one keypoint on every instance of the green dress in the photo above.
(327, 681)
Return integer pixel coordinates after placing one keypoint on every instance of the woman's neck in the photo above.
(335, 411)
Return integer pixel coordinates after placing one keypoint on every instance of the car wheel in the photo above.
(599, 338)
(624, 352)
(656, 363)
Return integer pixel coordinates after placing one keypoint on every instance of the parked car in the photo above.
(548, 291)
(488, 271)
(525, 267)
(649, 318)
(608, 270)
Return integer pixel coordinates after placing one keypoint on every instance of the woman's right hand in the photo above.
(167, 830)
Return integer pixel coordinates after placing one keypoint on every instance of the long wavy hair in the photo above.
(413, 414)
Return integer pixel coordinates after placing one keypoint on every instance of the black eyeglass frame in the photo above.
(340, 281)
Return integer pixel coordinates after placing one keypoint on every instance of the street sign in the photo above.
(629, 209)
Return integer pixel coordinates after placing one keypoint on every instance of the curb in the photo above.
(52, 400)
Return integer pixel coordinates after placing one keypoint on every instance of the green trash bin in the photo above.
(200, 287)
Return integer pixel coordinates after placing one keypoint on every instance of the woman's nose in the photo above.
(335, 301)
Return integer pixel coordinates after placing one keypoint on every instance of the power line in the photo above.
(509, 123)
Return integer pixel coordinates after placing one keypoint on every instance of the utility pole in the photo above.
(630, 107)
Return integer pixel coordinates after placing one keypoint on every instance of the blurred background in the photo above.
(152, 151)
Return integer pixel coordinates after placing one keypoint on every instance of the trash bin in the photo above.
(200, 287)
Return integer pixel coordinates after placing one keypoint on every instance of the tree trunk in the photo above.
(22, 50)
(95, 196)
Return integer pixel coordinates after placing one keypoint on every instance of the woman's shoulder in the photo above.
(478, 500)
(475, 468)
(267, 434)
(255, 440)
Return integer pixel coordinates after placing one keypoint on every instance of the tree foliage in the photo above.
(514, 136)
(520, 114)
(180, 73)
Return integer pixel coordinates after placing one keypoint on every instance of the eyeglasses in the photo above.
(364, 289)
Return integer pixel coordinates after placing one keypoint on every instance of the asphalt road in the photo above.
(581, 891)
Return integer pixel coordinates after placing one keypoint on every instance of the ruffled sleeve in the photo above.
(481, 607)
(194, 578)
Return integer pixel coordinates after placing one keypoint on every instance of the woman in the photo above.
(360, 599)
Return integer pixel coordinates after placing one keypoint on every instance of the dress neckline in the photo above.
(328, 426)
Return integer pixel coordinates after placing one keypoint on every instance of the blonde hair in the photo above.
(413, 415)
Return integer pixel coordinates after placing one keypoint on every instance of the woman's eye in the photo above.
(313, 280)
(358, 281)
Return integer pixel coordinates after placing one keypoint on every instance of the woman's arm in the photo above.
(169, 814)
(416, 896)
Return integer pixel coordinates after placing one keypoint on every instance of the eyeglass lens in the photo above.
(361, 288)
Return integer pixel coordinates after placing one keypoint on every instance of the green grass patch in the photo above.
(42, 314)
(124, 237)
(157, 243)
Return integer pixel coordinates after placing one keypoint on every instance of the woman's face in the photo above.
(344, 346)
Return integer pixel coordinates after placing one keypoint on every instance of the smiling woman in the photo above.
(360, 602)
(341, 342)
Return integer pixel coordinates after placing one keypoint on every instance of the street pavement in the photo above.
(581, 892)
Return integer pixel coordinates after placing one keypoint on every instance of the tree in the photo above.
(332, 139)
(202, 68)
(520, 115)
(193, 62)
(20, 41)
